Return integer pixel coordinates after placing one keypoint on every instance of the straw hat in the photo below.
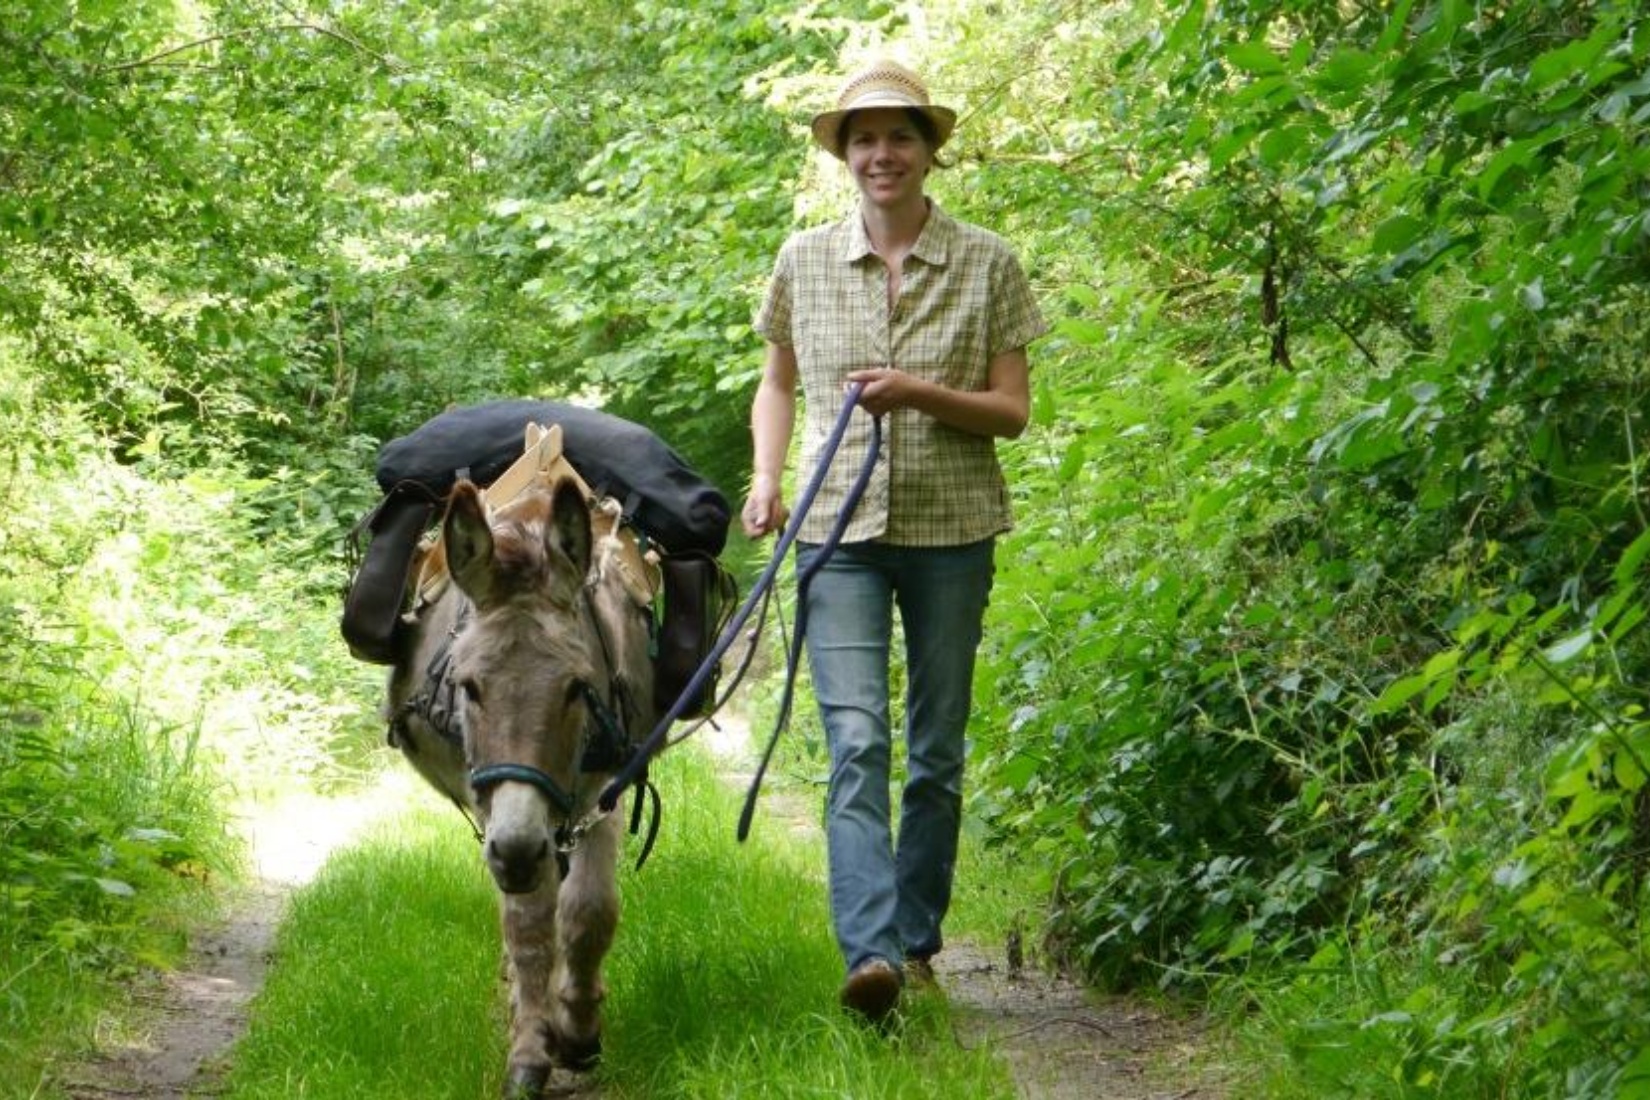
(883, 84)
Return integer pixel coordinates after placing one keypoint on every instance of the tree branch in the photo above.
(313, 28)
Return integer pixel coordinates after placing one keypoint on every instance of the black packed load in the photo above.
(660, 492)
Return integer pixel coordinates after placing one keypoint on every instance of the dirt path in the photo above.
(187, 1019)
(1064, 1043)
(1061, 1042)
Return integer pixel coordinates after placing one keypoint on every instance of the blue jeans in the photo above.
(888, 900)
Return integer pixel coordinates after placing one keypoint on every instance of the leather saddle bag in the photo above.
(698, 599)
(372, 624)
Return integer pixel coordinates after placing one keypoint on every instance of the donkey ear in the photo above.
(469, 542)
(570, 525)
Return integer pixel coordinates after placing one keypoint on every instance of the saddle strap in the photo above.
(696, 597)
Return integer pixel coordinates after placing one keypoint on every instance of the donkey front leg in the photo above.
(530, 950)
(586, 917)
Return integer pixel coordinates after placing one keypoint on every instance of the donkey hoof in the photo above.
(579, 1055)
(526, 1082)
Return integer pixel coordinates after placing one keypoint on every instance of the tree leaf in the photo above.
(1517, 154)
(1397, 233)
(1347, 69)
(1255, 57)
(1570, 648)
(1281, 143)
(1567, 60)
(1399, 692)
(1081, 330)
(1044, 406)
(1628, 570)
(1071, 463)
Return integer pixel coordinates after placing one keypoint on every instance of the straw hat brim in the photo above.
(828, 124)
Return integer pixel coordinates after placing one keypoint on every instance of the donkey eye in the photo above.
(471, 690)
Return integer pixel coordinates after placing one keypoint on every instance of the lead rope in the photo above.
(794, 658)
(638, 763)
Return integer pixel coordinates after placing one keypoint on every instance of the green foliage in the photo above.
(1321, 640)
(1315, 668)
(150, 638)
(107, 825)
(639, 265)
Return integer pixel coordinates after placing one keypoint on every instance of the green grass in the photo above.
(385, 976)
(722, 983)
(110, 841)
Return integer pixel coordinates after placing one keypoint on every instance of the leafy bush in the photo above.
(150, 636)
(1316, 664)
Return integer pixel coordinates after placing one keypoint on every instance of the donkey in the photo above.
(517, 679)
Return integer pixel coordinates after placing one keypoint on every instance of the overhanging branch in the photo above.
(311, 28)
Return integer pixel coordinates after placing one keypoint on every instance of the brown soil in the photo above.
(1062, 1042)
(187, 1018)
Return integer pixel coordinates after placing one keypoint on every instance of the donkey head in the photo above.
(522, 664)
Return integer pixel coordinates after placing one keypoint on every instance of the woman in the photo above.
(932, 316)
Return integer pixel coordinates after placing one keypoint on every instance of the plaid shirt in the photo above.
(963, 301)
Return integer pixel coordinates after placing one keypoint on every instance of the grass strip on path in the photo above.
(722, 982)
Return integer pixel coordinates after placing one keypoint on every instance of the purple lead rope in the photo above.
(638, 763)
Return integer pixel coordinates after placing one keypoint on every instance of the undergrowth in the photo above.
(159, 672)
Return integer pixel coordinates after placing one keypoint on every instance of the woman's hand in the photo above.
(1001, 409)
(764, 510)
(886, 389)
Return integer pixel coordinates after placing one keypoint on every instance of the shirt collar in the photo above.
(933, 243)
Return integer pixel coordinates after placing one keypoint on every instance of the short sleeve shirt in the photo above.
(963, 301)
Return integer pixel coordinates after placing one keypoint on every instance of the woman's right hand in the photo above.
(764, 510)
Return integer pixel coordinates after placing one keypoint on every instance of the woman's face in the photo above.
(887, 155)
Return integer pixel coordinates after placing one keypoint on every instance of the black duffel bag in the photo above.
(661, 494)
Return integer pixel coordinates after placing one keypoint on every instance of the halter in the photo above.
(612, 749)
(485, 779)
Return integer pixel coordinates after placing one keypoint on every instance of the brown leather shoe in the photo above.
(919, 974)
(872, 989)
